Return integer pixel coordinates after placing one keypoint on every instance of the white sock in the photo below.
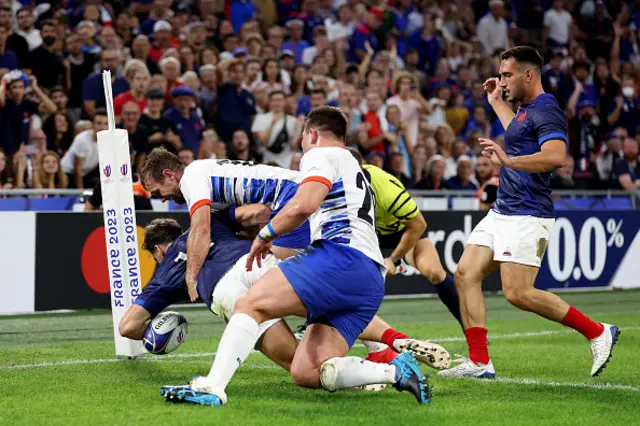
(238, 339)
(351, 371)
(373, 347)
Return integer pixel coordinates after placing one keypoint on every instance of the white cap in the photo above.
(161, 25)
(496, 3)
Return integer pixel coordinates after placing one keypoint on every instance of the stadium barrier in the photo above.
(54, 261)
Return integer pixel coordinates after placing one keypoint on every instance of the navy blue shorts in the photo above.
(339, 285)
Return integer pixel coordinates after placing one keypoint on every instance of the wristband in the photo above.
(267, 233)
(396, 262)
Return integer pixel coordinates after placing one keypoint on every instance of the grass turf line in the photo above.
(128, 392)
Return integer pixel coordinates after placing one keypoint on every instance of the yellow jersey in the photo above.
(394, 206)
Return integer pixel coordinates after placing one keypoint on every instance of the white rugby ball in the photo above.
(165, 333)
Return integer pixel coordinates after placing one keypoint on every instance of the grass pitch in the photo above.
(61, 369)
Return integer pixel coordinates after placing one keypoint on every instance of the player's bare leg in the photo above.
(518, 288)
(426, 352)
(424, 257)
(278, 344)
(475, 264)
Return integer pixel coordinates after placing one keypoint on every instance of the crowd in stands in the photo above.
(235, 78)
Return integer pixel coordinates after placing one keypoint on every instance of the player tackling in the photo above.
(515, 233)
(337, 283)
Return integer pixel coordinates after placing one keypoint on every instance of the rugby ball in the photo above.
(165, 333)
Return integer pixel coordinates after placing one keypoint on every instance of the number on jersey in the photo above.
(367, 211)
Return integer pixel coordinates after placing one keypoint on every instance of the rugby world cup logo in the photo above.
(123, 169)
(107, 170)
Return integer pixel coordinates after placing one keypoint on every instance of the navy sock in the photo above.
(449, 296)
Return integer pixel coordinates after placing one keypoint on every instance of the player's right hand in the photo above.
(259, 251)
(391, 268)
(493, 89)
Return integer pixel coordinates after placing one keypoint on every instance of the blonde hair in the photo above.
(61, 180)
(132, 66)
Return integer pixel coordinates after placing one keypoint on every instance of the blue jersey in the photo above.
(168, 283)
(522, 193)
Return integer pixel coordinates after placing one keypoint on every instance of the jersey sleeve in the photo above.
(196, 187)
(550, 123)
(316, 166)
(165, 288)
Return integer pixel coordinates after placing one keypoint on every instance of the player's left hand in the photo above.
(495, 153)
(391, 268)
(259, 251)
(192, 288)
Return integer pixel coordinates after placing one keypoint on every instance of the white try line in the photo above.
(210, 354)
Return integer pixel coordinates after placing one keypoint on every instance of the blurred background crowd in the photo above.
(235, 78)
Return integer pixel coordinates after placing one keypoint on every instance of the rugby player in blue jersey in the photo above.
(515, 233)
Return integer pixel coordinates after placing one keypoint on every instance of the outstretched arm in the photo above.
(198, 244)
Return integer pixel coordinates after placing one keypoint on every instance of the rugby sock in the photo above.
(239, 338)
(582, 323)
(390, 335)
(449, 296)
(352, 371)
(379, 352)
(477, 341)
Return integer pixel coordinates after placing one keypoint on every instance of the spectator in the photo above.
(610, 152)
(161, 130)
(161, 40)
(418, 163)
(139, 84)
(15, 42)
(138, 134)
(626, 171)
(241, 148)
(49, 174)
(141, 49)
(27, 29)
(405, 99)
(375, 159)
(295, 44)
(608, 88)
(272, 77)
(277, 134)
(396, 167)
(320, 42)
(462, 180)
(396, 136)
(562, 178)
(585, 138)
(78, 67)
(239, 105)
(80, 163)
(555, 80)
(456, 114)
(583, 91)
(92, 88)
(208, 94)
(87, 32)
(492, 29)
(485, 170)
(252, 71)
(8, 58)
(557, 25)
(342, 28)
(372, 132)
(363, 34)
(17, 110)
(186, 155)
(170, 68)
(187, 119)
(623, 111)
(59, 132)
(434, 178)
(261, 95)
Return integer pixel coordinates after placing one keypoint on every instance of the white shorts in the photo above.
(235, 284)
(515, 239)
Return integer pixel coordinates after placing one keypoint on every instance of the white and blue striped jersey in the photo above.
(347, 214)
(221, 183)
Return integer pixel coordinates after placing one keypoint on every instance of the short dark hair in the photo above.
(327, 119)
(317, 92)
(160, 231)
(276, 92)
(356, 154)
(23, 9)
(157, 160)
(581, 64)
(101, 112)
(524, 54)
(48, 23)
